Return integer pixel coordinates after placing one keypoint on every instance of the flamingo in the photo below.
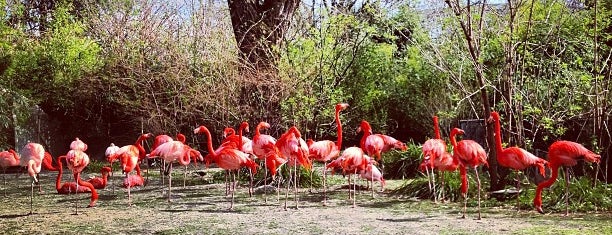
(563, 153)
(227, 158)
(8, 159)
(469, 154)
(129, 157)
(101, 182)
(354, 160)
(326, 150)
(34, 157)
(77, 144)
(77, 160)
(514, 157)
(160, 139)
(433, 149)
(241, 143)
(133, 180)
(264, 147)
(111, 150)
(294, 148)
(170, 152)
(68, 187)
(374, 175)
(376, 144)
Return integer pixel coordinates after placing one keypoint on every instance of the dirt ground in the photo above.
(202, 208)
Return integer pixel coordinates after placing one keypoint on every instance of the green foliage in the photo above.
(583, 197)
(403, 165)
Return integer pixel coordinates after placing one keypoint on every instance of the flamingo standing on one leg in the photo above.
(326, 150)
(374, 175)
(8, 159)
(170, 152)
(514, 157)
(294, 148)
(563, 153)
(228, 158)
(67, 187)
(111, 150)
(77, 160)
(133, 180)
(129, 156)
(376, 144)
(469, 154)
(33, 156)
(432, 150)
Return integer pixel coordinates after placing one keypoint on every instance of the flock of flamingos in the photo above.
(237, 151)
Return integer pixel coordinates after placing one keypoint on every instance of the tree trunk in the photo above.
(259, 26)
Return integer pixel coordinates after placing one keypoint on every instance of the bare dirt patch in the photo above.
(201, 208)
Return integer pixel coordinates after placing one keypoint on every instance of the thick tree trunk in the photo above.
(259, 26)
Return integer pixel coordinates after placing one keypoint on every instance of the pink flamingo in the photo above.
(376, 144)
(111, 150)
(8, 159)
(133, 180)
(77, 160)
(228, 158)
(326, 150)
(34, 157)
(294, 148)
(170, 152)
(469, 154)
(374, 175)
(433, 149)
(514, 157)
(354, 160)
(101, 182)
(129, 157)
(241, 143)
(77, 144)
(264, 147)
(563, 153)
(68, 187)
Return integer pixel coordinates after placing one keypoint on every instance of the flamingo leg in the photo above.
(324, 183)
(428, 179)
(287, 191)
(227, 185)
(76, 201)
(349, 187)
(372, 181)
(32, 198)
(295, 183)
(442, 188)
(184, 176)
(233, 188)
(265, 181)
(111, 177)
(478, 180)
(169, 181)
(566, 191)
(4, 178)
(250, 183)
(129, 185)
(354, 188)
(433, 185)
(518, 192)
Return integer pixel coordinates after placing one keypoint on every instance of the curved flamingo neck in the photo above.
(453, 139)
(184, 159)
(366, 129)
(58, 180)
(537, 200)
(243, 125)
(498, 141)
(339, 127)
(138, 145)
(211, 151)
(436, 127)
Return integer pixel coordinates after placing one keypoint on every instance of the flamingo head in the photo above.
(263, 125)
(493, 118)
(309, 142)
(180, 137)
(245, 126)
(341, 106)
(200, 130)
(228, 131)
(457, 131)
(400, 145)
(365, 127)
(106, 170)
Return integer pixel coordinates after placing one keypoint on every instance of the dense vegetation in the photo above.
(107, 70)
